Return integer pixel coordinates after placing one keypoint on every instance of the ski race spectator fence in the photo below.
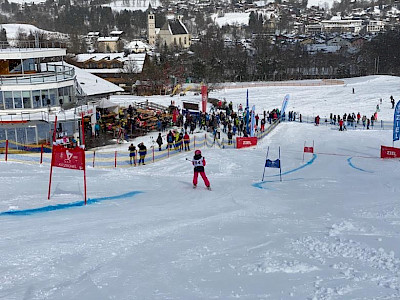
(322, 82)
(324, 121)
(41, 154)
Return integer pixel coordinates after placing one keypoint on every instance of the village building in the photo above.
(118, 68)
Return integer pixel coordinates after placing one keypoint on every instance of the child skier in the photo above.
(199, 163)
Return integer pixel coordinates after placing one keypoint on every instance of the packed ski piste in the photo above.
(308, 212)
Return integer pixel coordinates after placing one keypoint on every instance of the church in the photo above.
(172, 33)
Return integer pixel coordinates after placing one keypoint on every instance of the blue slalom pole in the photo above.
(264, 164)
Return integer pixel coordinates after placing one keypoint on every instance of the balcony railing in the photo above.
(13, 45)
(49, 73)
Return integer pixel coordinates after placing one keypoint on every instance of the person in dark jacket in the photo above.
(199, 162)
(132, 154)
(159, 141)
(142, 153)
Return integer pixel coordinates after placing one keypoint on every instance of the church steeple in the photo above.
(151, 27)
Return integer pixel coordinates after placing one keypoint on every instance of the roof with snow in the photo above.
(175, 27)
(136, 58)
(108, 39)
(93, 85)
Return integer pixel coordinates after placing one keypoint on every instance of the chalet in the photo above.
(117, 68)
(109, 44)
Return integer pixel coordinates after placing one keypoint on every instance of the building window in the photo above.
(36, 99)
(53, 97)
(185, 40)
(26, 98)
(8, 100)
(45, 96)
(1, 101)
(17, 99)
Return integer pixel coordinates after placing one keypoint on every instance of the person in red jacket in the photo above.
(341, 125)
(199, 162)
(186, 141)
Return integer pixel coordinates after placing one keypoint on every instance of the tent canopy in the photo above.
(105, 103)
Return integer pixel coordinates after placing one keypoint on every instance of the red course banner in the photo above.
(69, 158)
(242, 142)
(308, 149)
(390, 152)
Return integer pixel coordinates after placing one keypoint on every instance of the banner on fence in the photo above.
(390, 152)
(243, 142)
(396, 123)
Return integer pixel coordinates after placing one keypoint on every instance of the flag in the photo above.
(204, 98)
(396, 123)
(253, 120)
(247, 111)
(273, 163)
(284, 105)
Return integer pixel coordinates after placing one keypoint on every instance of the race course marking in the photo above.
(259, 184)
(357, 168)
(31, 211)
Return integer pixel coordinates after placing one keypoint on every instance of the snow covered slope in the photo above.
(329, 230)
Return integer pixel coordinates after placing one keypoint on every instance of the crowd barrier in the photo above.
(41, 154)
(323, 82)
(324, 121)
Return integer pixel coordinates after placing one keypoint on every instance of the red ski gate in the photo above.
(68, 158)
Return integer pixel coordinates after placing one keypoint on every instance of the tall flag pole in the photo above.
(280, 165)
(247, 111)
(253, 120)
(396, 123)
(284, 105)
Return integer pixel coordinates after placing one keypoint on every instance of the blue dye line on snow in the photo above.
(296, 169)
(357, 168)
(43, 209)
(259, 185)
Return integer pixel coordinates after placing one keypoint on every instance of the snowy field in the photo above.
(329, 230)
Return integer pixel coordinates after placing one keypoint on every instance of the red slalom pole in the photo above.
(6, 150)
(41, 154)
(115, 159)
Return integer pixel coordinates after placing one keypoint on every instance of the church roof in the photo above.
(175, 27)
